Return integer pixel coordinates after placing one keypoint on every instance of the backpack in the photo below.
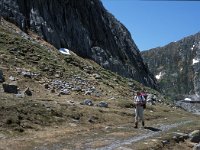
(143, 99)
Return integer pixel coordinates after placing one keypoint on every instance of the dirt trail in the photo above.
(89, 142)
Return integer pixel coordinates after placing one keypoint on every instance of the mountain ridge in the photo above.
(176, 66)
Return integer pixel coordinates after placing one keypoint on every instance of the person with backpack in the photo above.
(140, 105)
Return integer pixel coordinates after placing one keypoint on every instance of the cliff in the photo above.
(85, 27)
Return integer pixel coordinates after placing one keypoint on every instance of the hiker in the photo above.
(140, 104)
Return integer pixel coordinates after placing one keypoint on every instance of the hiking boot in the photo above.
(143, 123)
(136, 125)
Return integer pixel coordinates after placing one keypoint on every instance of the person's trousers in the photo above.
(139, 115)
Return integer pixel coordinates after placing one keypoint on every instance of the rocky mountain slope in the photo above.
(177, 67)
(86, 28)
(35, 76)
(58, 101)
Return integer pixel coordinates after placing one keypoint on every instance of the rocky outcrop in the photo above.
(85, 27)
(177, 67)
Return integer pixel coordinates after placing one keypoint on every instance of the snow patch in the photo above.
(64, 51)
(194, 61)
(159, 75)
(187, 99)
(192, 47)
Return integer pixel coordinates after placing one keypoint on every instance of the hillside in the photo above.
(86, 28)
(176, 67)
(50, 109)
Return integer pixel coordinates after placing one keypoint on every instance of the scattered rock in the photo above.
(10, 88)
(58, 94)
(93, 119)
(46, 86)
(195, 136)
(19, 129)
(29, 74)
(88, 102)
(197, 147)
(57, 75)
(65, 92)
(180, 137)
(103, 104)
(13, 50)
(26, 74)
(71, 101)
(108, 127)
(96, 76)
(73, 124)
(151, 99)
(20, 95)
(165, 142)
(98, 94)
(12, 78)
(88, 92)
(2, 136)
(53, 90)
(88, 69)
(77, 89)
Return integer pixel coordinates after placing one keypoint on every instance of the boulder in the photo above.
(88, 102)
(10, 88)
(2, 79)
(195, 136)
(103, 104)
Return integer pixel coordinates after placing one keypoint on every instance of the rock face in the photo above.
(85, 27)
(177, 66)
